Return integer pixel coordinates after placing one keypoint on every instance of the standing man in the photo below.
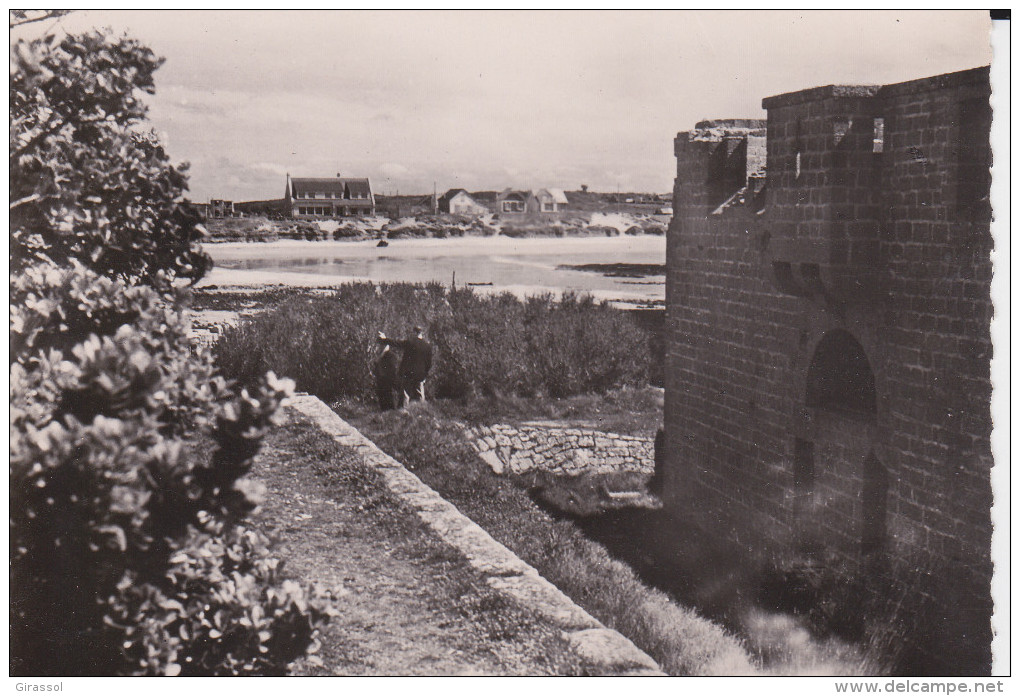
(386, 377)
(415, 363)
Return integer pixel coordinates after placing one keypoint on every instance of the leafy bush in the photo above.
(87, 182)
(227, 610)
(313, 233)
(483, 344)
(128, 454)
(347, 231)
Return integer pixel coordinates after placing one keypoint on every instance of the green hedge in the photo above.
(490, 345)
(127, 493)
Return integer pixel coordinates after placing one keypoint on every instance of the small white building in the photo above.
(460, 202)
(551, 200)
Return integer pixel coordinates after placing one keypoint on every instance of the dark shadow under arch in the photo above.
(840, 377)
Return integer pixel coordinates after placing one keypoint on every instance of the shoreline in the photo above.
(362, 255)
(233, 280)
(426, 242)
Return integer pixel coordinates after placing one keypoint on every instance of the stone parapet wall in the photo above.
(519, 449)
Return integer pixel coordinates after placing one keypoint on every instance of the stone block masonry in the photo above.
(828, 339)
(519, 449)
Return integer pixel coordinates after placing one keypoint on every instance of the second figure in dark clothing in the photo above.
(387, 379)
(415, 363)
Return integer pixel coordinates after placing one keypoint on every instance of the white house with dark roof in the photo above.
(328, 197)
(509, 201)
(531, 203)
(460, 202)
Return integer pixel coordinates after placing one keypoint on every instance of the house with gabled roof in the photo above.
(532, 203)
(460, 202)
(551, 200)
(328, 197)
(510, 201)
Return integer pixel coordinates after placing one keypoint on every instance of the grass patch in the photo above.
(484, 345)
(897, 625)
(627, 411)
(682, 642)
(730, 583)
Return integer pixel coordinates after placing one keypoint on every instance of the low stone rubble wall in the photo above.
(207, 326)
(519, 449)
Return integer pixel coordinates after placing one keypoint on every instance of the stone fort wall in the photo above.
(828, 324)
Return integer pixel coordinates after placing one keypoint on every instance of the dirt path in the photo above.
(408, 603)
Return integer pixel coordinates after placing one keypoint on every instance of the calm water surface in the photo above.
(500, 263)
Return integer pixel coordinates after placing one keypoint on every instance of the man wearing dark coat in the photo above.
(415, 363)
(387, 381)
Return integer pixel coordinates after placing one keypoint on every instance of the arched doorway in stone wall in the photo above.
(839, 376)
(840, 485)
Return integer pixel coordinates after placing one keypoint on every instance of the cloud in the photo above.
(270, 168)
(394, 171)
(513, 98)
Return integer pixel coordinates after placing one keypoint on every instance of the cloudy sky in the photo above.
(486, 100)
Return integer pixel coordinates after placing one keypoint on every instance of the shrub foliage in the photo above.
(128, 454)
(489, 345)
(88, 181)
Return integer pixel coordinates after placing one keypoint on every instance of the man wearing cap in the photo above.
(415, 363)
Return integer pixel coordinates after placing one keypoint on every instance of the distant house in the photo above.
(551, 200)
(460, 202)
(487, 198)
(221, 209)
(531, 202)
(510, 201)
(337, 197)
(405, 206)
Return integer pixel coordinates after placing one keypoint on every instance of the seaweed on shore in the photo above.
(619, 270)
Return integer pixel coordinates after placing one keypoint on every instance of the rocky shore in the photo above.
(261, 229)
